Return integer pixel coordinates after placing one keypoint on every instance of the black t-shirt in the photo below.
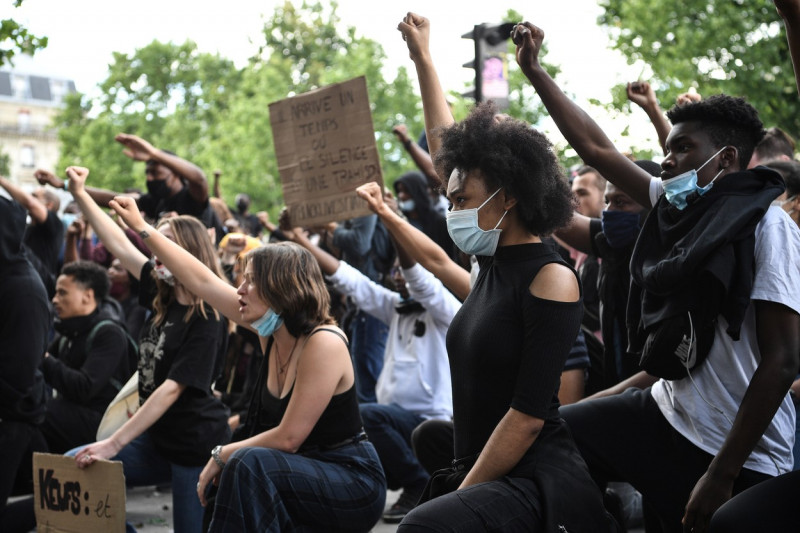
(183, 204)
(190, 353)
(45, 241)
(507, 348)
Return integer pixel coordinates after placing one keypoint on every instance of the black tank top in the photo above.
(339, 421)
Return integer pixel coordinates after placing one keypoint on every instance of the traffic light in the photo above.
(491, 62)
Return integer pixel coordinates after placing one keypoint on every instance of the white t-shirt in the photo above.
(703, 408)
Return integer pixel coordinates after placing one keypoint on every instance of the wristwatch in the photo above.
(215, 455)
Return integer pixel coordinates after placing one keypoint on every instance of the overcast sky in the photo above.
(84, 33)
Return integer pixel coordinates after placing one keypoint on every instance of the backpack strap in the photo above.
(132, 345)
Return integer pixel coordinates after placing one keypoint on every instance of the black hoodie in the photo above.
(24, 323)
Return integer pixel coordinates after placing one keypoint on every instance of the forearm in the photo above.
(274, 439)
(196, 277)
(427, 253)
(587, 138)
(110, 233)
(660, 123)
(424, 163)
(33, 206)
(434, 103)
(513, 436)
(71, 249)
(148, 414)
(101, 196)
(577, 234)
(642, 380)
(327, 263)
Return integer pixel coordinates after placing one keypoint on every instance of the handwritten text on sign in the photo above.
(69, 499)
(325, 146)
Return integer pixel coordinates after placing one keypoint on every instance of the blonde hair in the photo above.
(191, 235)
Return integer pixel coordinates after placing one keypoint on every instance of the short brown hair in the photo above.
(288, 277)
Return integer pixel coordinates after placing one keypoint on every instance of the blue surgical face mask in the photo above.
(463, 228)
(268, 323)
(68, 219)
(406, 205)
(620, 228)
(678, 188)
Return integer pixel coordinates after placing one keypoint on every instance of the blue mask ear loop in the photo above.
(711, 183)
(486, 202)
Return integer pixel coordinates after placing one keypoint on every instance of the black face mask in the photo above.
(158, 188)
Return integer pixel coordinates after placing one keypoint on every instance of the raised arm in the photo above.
(580, 130)
(34, 207)
(141, 150)
(418, 245)
(642, 94)
(421, 158)
(327, 263)
(416, 34)
(789, 10)
(106, 229)
(100, 196)
(577, 234)
(192, 273)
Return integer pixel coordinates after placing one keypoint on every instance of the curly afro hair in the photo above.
(728, 120)
(511, 154)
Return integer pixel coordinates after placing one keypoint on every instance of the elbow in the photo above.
(290, 444)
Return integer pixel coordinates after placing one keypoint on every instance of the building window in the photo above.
(24, 120)
(27, 156)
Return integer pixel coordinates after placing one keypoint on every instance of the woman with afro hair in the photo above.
(516, 467)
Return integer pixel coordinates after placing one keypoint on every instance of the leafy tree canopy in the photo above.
(15, 38)
(205, 109)
(731, 46)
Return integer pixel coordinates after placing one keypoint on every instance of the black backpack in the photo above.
(133, 347)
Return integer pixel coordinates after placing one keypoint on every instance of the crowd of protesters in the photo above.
(552, 353)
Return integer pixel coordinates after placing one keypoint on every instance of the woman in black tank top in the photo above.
(306, 463)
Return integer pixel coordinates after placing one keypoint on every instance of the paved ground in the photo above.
(150, 511)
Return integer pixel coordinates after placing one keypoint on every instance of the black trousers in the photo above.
(626, 438)
(769, 506)
(18, 441)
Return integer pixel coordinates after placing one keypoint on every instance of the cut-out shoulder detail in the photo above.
(556, 282)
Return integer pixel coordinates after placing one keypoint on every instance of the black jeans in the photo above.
(626, 438)
(18, 441)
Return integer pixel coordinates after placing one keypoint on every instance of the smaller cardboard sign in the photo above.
(68, 499)
(325, 147)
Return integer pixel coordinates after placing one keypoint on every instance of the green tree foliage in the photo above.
(731, 46)
(203, 108)
(15, 38)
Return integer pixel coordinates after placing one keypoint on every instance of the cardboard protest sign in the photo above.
(325, 147)
(70, 500)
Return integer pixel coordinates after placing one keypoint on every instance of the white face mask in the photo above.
(163, 273)
(463, 228)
